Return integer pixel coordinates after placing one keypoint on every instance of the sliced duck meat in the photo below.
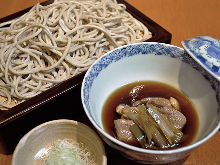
(157, 101)
(122, 127)
(170, 109)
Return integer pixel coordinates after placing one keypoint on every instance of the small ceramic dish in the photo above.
(35, 145)
(206, 51)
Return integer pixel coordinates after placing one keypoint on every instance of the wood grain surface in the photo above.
(184, 19)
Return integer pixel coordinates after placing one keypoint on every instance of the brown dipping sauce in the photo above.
(129, 93)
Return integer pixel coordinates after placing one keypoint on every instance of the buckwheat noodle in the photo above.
(52, 43)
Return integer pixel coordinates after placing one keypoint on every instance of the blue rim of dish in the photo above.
(206, 51)
(144, 49)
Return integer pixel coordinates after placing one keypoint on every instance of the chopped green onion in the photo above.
(66, 152)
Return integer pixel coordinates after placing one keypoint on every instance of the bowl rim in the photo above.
(127, 146)
(62, 121)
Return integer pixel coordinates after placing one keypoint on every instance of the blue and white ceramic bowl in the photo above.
(158, 62)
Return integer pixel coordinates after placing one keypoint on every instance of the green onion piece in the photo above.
(145, 118)
(139, 136)
(132, 116)
(142, 109)
(157, 137)
(139, 120)
(151, 129)
(172, 134)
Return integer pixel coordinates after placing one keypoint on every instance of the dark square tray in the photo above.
(62, 101)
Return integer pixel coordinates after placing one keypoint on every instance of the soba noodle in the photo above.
(52, 43)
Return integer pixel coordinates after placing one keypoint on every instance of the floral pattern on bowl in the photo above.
(206, 51)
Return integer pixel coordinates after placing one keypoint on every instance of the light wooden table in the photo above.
(184, 19)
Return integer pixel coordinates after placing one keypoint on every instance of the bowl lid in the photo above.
(205, 50)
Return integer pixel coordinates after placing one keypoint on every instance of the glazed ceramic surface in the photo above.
(206, 51)
(33, 147)
(157, 62)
